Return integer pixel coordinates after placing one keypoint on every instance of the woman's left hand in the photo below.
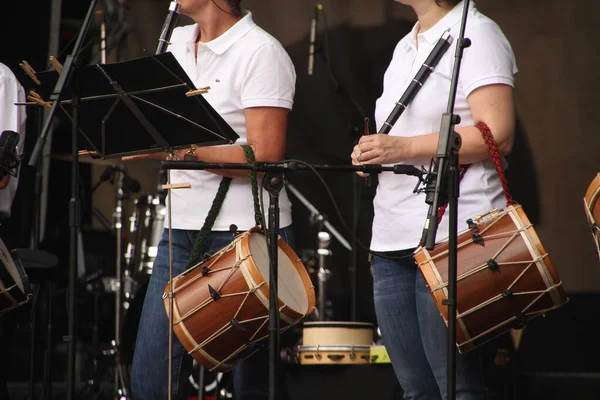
(379, 149)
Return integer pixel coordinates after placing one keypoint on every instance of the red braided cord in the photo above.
(495, 155)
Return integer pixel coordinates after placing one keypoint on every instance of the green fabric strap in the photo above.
(200, 242)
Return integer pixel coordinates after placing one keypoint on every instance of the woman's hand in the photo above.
(380, 149)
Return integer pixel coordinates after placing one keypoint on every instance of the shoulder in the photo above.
(484, 29)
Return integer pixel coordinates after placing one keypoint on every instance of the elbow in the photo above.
(505, 146)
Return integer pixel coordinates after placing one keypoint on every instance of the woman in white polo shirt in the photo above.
(412, 328)
(252, 86)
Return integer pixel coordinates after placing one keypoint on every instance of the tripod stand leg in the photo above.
(201, 383)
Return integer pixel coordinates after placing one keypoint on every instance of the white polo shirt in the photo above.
(399, 213)
(13, 118)
(244, 67)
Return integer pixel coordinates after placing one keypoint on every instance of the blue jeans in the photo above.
(150, 368)
(416, 336)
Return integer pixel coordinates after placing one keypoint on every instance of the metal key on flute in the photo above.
(417, 83)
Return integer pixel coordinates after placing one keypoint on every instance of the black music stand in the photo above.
(140, 106)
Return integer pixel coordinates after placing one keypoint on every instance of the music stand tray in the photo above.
(140, 106)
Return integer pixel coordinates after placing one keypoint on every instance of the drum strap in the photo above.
(497, 160)
(200, 241)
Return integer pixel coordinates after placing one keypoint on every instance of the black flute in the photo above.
(417, 83)
(168, 26)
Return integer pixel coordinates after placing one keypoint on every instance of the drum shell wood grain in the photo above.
(203, 326)
(476, 290)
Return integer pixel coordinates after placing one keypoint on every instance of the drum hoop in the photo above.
(251, 275)
(340, 347)
(337, 324)
(542, 266)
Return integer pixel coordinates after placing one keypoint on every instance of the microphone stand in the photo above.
(274, 184)
(75, 207)
(447, 167)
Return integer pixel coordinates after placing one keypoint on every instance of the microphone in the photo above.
(168, 26)
(313, 35)
(9, 160)
(129, 183)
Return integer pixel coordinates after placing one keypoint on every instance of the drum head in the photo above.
(290, 287)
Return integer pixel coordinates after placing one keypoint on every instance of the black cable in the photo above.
(340, 216)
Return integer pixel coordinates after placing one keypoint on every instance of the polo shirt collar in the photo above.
(449, 20)
(221, 44)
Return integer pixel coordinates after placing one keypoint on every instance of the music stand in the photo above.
(140, 106)
(145, 102)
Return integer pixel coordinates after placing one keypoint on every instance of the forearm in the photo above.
(473, 147)
(225, 154)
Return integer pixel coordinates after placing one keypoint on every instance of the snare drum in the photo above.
(15, 289)
(336, 342)
(504, 277)
(592, 210)
(221, 307)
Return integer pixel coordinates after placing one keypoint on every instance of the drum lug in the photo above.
(477, 238)
(236, 325)
(471, 224)
(318, 355)
(494, 267)
(214, 293)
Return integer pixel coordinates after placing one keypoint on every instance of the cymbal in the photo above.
(101, 161)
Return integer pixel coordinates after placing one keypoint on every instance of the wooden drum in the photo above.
(221, 307)
(592, 210)
(332, 342)
(504, 277)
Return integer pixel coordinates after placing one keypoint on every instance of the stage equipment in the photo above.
(146, 225)
(505, 277)
(274, 183)
(336, 342)
(15, 289)
(9, 160)
(221, 306)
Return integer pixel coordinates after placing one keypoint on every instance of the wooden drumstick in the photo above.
(366, 132)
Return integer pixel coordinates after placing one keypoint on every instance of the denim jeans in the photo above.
(416, 336)
(150, 368)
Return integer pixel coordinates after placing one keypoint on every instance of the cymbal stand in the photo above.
(324, 273)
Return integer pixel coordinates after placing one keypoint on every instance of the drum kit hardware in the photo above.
(15, 289)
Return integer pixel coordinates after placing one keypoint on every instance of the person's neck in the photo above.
(213, 23)
(430, 14)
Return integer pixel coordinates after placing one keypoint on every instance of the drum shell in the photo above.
(592, 210)
(483, 313)
(320, 333)
(208, 334)
(336, 342)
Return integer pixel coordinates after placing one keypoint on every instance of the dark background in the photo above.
(553, 162)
